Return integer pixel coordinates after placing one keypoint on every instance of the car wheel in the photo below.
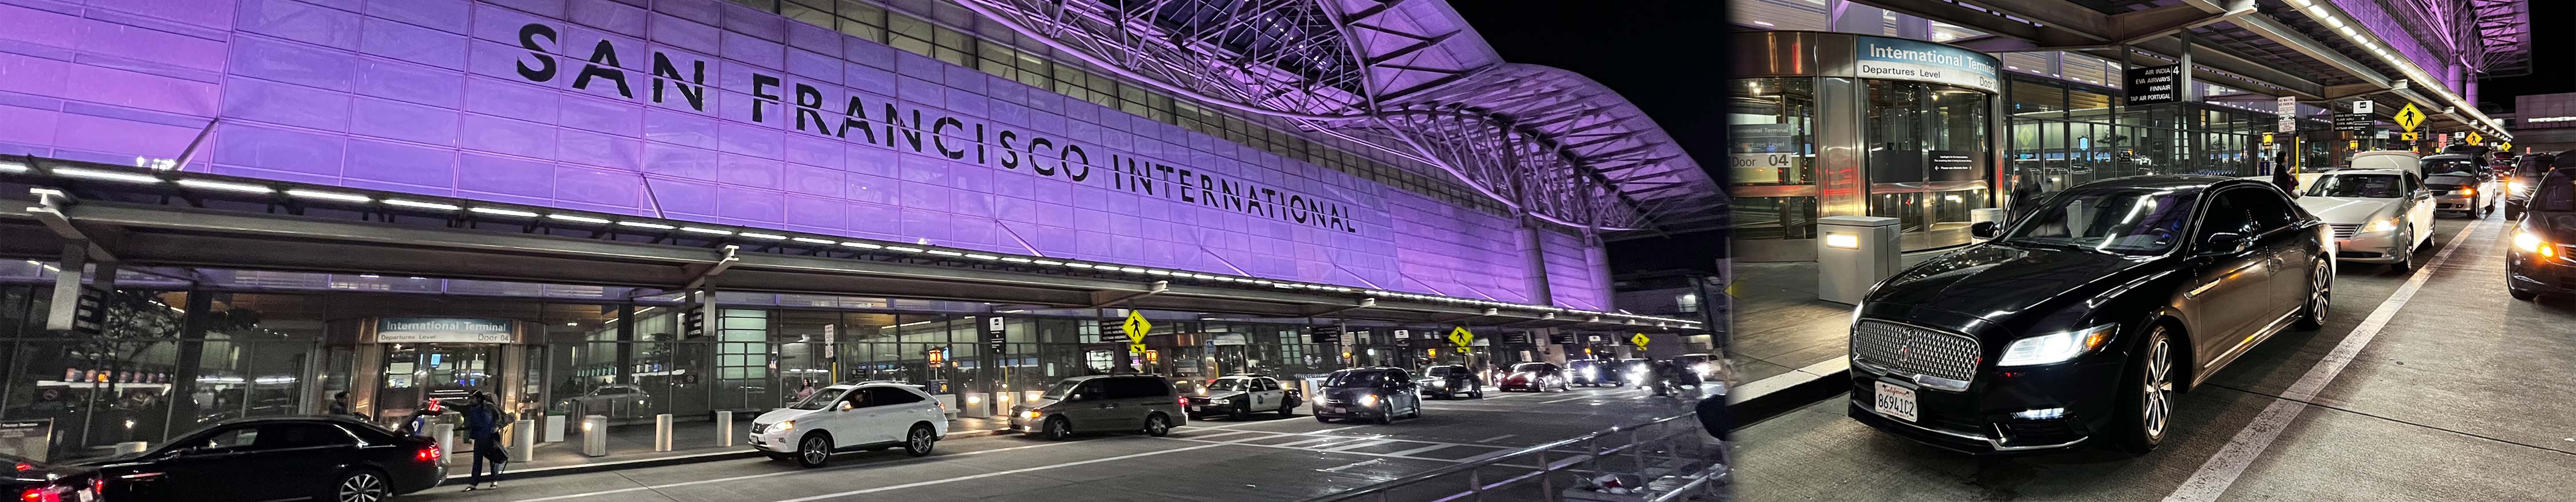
(1288, 409)
(2146, 402)
(2320, 296)
(919, 441)
(1057, 429)
(1386, 418)
(2407, 253)
(1157, 425)
(1241, 413)
(361, 485)
(814, 451)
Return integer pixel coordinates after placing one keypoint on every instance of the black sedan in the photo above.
(1379, 394)
(33, 481)
(1450, 381)
(2525, 179)
(2081, 322)
(326, 458)
(2540, 260)
(1591, 373)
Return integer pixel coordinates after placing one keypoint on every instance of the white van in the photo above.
(850, 417)
(2401, 160)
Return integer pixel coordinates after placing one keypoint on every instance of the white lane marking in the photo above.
(1350, 465)
(1361, 453)
(2215, 476)
(1001, 473)
(1566, 399)
(1332, 429)
(1495, 438)
(1410, 452)
(763, 475)
(1361, 444)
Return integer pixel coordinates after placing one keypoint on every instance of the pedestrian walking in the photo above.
(483, 421)
(807, 392)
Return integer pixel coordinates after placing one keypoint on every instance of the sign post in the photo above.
(2288, 108)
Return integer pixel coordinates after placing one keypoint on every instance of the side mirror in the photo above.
(1073, 397)
(2226, 242)
(1984, 229)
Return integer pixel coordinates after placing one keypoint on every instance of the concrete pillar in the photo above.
(2190, 92)
(1596, 259)
(1533, 248)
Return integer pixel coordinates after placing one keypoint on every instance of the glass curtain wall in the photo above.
(2065, 134)
(1772, 161)
(1925, 148)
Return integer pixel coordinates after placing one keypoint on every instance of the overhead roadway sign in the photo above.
(2150, 85)
(2410, 117)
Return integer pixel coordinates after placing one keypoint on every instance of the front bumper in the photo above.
(1979, 421)
(2454, 203)
(2374, 247)
(1349, 410)
(2526, 272)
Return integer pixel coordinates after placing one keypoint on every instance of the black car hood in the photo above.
(1993, 280)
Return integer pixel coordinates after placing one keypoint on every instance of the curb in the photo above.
(1770, 397)
(458, 473)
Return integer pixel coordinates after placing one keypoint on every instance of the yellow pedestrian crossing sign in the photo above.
(1461, 337)
(2410, 117)
(2474, 138)
(2410, 136)
(1640, 340)
(1136, 327)
(2506, 146)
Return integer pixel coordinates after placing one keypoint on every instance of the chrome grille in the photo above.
(2345, 230)
(1912, 350)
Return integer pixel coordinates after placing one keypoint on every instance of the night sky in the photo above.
(1664, 55)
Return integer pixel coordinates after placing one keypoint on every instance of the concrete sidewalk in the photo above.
(1780, 326)
(631, 446)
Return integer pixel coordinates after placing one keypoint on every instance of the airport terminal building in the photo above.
(643, 207)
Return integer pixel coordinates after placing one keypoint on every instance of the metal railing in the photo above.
(1666, 459)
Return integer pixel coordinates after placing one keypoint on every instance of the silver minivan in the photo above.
(1102, 403)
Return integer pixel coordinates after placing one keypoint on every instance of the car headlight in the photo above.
(2515, 186)
(2056, 347)
(2381, 225)
(1591, 373)
(1369, 400)
(2468, 191)
(784, 425)
(2528, 243)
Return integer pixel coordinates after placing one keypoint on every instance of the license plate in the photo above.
(1895, 401)
(1338, 409)
(1197, 407)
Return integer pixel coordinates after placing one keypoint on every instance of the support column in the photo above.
(1851, 17)
(1533, 249)
(1596, 259)
(66, 304)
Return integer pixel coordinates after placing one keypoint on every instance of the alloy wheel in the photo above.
(815, 450)
(920, 441)
(2318, 293)
(2158, 395)
(1157, 425)
(363, 487)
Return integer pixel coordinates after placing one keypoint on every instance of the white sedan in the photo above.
(2377, 215)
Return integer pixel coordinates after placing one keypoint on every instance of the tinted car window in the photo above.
(1530, 367)
(277, 436)
(2136, 221)
(2556, 193)
(229, 439)
(1355, 379)
(882, 396)
(2377, 186)
(1227, 384)
(2439, 167)
(2533, 165)
(819, 400)
(1061, 389)
(1438, 371)
(2269, 210)
(1120, 388)
(2224, 215)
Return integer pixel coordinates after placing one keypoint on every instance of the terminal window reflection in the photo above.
(1773, 157)
(1926, 153)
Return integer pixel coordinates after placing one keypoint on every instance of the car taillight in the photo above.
(427, 453)
(42, 494)
(1183, 401)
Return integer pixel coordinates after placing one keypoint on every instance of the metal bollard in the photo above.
(1853, 253)
(555, 425)
(662, 432)
(132, 447)
(724, 427)
(523, 436)
(446, 436)
(594, 435)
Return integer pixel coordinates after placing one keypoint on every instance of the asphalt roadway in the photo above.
(2462, 394)
(1266, 457)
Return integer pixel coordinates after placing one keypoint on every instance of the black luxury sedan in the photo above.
(34, 481)
(2540, 260)
(1379, 394)
(1449, 381)
(337, 459)
(2527, 172)
(2082, 321)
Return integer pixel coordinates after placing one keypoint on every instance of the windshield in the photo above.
(1529, 367)
(1581, 363)
(1061, 388)
(2118, 220)
(1438, 371)
(2533, 165)
(1355, 379)
(820, 399)
(2557, 193)
(2376, 186)
(1228, 384)
(2435, 167)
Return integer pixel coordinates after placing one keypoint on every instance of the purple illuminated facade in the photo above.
(707, 111)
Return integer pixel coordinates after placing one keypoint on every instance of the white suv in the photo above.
(849, 417)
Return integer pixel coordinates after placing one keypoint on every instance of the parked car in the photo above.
(1591, 373)
(2541, 260)
(268, 458)
(2083, 322)
(35, 481)
(2527, 172)
(1697, 368)
(1102, 403)
(612, 401)
(2402, 160)
(2378, 216)
(1450, 381)
(1534, 377)
(1375, 393)
(1240, 396)
(1635, 371)
(851, 417)
(2459, 184)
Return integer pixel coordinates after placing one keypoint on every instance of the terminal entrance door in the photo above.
(447, 372)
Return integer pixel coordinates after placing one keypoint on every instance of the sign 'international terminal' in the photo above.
(639, 208)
